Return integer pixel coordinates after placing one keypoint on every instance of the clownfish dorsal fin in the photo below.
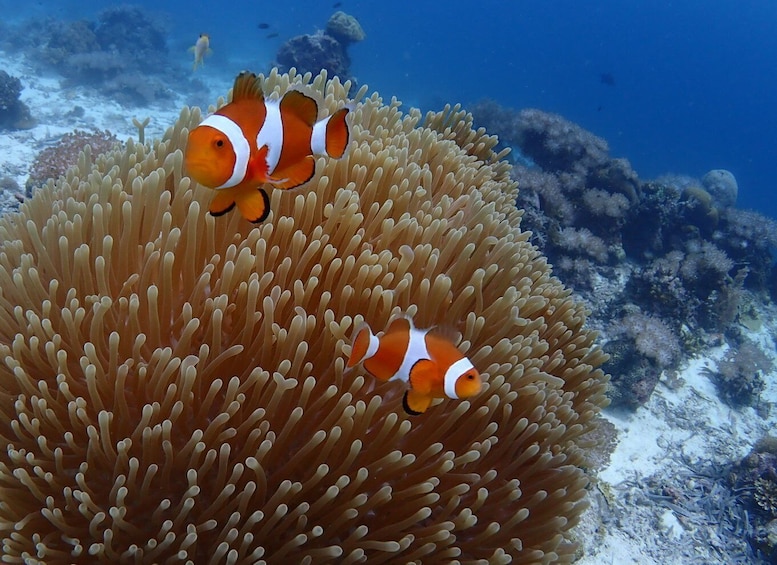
(247, 87)
(447, 333)
(415, 403)
(300, 105)
(422, 376)
(399, 324)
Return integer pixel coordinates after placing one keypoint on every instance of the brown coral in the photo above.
(172, 385)
(55, 160)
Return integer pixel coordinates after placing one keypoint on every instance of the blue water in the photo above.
(695, 80)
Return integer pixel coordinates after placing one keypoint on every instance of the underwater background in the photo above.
(643, 138)
(674, 86)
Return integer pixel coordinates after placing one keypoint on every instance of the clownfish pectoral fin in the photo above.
(221, 203)
(415, 403)
(257, 167)
(301, 105)
(247, 86)
(295, 175)
(422, 375)
(254, 205)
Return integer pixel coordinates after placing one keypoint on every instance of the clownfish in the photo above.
(200, 49)
(252, 141)
(429, 363)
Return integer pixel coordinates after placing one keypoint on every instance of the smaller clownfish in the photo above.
(430, 364)
(200, 49)
(253, 141)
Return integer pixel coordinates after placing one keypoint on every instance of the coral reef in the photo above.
(172, 384)
(755, 477)
(14, 114)
(675, 247)
(323, 50)
(123, 53)
(739, 376)
(54, 161)
(640, 347)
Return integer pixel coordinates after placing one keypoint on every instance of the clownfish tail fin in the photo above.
(331, 135)
(363, 346)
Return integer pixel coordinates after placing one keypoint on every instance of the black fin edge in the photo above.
(224, 211)
(266, 213)
(407, 407)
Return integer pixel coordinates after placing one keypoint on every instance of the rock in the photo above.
(345, 28)
(722, 186)
(311, 53)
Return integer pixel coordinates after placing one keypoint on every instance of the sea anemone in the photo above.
(172, 385)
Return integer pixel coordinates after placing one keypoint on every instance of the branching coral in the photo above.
(55, 160)
(739, 376)
(172, 385)
(642, 346)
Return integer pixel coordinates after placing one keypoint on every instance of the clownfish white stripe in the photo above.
(271, 134)
(318, 139)
(453, 373)
(372, 348)
(416, 350)
(239, 146)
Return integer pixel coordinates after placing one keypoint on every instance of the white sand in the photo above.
(676, 431)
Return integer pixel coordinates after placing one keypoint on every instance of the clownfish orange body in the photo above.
(430, 364)
(252, 141)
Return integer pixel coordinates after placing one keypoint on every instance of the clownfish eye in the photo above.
(470, 377)
(219, 143)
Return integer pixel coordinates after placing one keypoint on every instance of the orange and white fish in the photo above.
(429, 363)
(200, 49)
(252, 141)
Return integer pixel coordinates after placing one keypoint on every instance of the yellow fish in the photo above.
(200, 49)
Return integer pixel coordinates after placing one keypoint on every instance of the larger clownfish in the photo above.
(429, 363)
(252, 141)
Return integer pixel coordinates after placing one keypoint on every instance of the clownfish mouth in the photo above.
(201, 171)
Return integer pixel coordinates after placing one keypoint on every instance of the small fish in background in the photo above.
(607, 78)
(252, 141)
(201, 48)
(428, 362)
(337, 4)
(263, 25)
(271, 35)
